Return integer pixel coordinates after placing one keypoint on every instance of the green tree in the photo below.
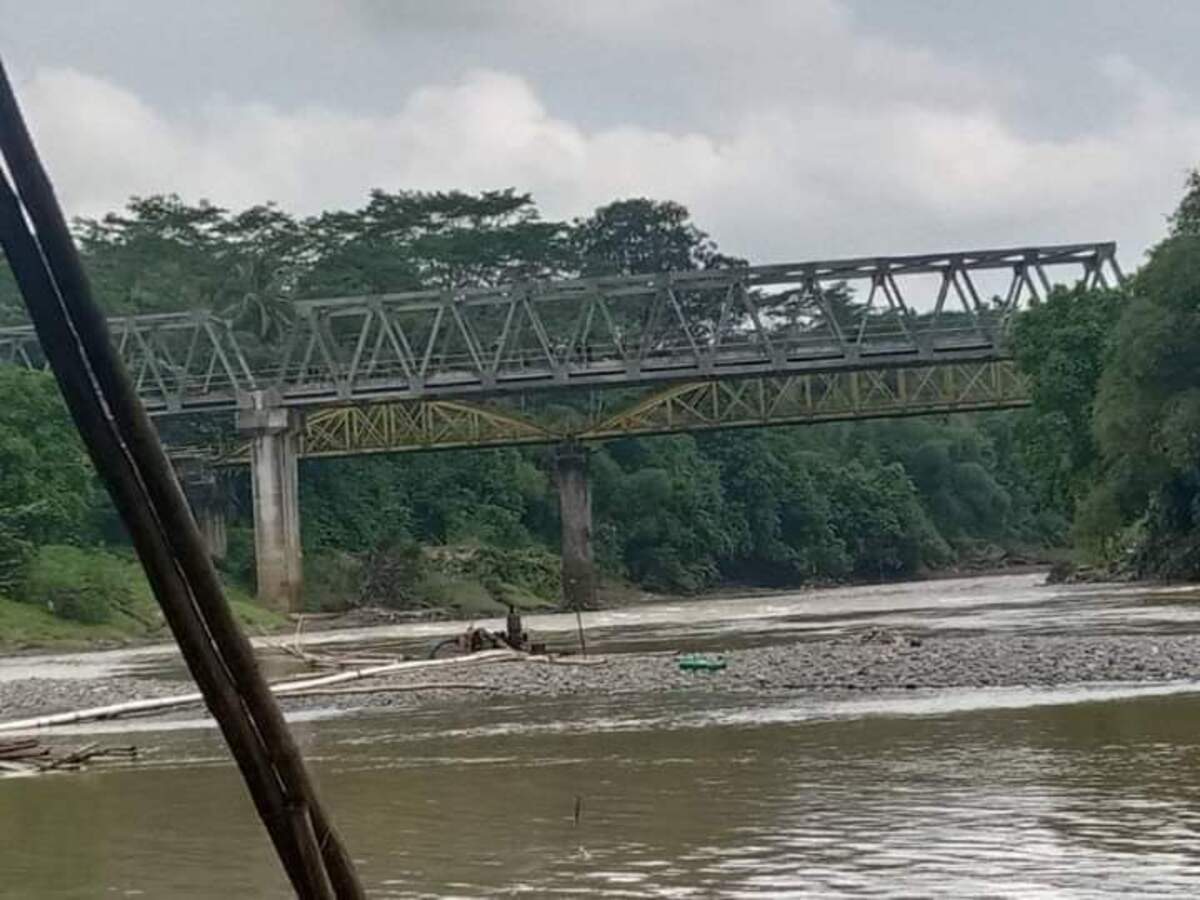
(1062, 345)
(412, 240)
(48, 493)
(12, 307)
(877, 514)
(641, 236)
(158, 255)
(661, 503)
(1147, 411)
(498, 497)
(1185, 221)
(777, 510)
(264, 254)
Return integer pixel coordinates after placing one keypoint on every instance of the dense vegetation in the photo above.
(1116, 423)
(1107, 456)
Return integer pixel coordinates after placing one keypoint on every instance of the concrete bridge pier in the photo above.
(213, 528)
(274, 450)
(206, 496)
(575, 512)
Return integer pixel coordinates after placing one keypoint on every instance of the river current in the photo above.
(1086, 791)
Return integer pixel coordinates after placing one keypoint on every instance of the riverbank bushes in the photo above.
(87, 586)
(89, 594)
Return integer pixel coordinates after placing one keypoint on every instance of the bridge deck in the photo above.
(763, 322)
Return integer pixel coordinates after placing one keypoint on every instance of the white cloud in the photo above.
(780, 179)
(727, 54)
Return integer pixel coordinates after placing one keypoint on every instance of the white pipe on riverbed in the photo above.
(154, 704)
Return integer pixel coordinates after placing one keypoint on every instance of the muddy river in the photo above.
(1074, 791)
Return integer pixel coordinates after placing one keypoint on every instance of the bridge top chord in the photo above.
(770, 320)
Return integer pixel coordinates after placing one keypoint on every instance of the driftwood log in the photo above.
(27, 756)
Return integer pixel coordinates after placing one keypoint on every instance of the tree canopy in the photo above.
(1115, 437)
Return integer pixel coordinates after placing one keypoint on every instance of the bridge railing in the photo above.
(624, 330)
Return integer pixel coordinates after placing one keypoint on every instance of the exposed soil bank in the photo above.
(880, 662)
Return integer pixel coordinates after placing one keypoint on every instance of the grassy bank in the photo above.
(70, 597)
(25, 626)
(73, 598)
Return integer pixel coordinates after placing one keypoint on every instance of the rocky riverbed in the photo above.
(25, 697)
(881, 662)
(874, 661)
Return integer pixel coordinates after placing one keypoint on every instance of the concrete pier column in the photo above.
(213, 527)
(575, 512)
(206, 496)
(274, 444)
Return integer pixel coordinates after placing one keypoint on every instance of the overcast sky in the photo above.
(792, 130)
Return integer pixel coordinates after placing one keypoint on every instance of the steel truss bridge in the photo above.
(602, 357)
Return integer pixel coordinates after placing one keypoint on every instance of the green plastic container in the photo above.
(698, 662)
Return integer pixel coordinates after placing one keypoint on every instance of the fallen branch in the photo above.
(33, 759)
(92, 751)
(17, 744)
(325, 660)
(21, 749)
(20, 755)
(73, 758)
(322, 660)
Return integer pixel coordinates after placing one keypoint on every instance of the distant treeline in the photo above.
(1107, 456)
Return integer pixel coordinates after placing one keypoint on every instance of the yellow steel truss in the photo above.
(823, 397)
(413, 425)
(405, 426)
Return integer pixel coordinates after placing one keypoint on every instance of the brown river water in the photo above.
(1085, 791)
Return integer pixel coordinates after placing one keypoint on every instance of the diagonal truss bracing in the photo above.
(821, 397)
(410, 425)
(178, 362)
(755, 322)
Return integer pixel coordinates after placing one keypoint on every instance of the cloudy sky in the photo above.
(793, 129)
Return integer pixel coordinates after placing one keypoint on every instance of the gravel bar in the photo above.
(881, 661)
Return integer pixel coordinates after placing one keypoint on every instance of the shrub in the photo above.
(238, 563)
(15, 553)
(466, 597)
(390, 574)
(333, 581)
(86, 586)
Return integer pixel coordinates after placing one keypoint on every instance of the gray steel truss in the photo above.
(763, 323)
